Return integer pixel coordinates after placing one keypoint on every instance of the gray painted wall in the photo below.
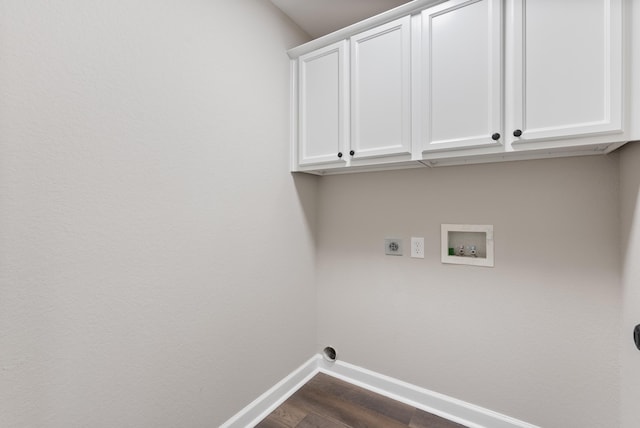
(536, 337)
(157, 258)
(630, 232)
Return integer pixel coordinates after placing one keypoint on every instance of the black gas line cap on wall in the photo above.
(636, 336)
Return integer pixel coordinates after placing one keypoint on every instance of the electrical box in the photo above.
(393, 246)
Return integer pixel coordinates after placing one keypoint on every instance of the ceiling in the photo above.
(320, 17)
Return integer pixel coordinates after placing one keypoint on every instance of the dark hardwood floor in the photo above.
(326, 402)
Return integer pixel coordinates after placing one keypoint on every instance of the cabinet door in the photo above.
(323, 112)
(461, 77)
(381, 90)
(567, 70)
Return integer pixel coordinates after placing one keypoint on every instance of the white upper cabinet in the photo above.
(567, 79)
(464, 81)
(323, 105)
(461, 75)
(381, 91)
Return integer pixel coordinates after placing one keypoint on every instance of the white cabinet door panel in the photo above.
(462, 75)
(567, 68)
(380, 90)
(323, 112)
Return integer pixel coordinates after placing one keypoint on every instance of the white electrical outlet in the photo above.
(417, 248)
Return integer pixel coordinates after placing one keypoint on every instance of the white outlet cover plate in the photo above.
(417, 248)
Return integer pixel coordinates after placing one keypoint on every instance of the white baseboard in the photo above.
(276, 395)
(447, 407)
(450, 408)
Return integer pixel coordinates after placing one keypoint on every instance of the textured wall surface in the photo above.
(536, 337)
(156, 258)
(630, 232)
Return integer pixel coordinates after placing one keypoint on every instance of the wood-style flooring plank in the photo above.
(285, 416)
(336, 408)
(328, 402)
(271, 422)
(364, 398)
(317, 421)
(423, 419)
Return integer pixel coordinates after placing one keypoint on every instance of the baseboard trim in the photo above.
(276, 395)
(450, 408)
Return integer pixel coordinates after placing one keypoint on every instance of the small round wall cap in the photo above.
(329, 354)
